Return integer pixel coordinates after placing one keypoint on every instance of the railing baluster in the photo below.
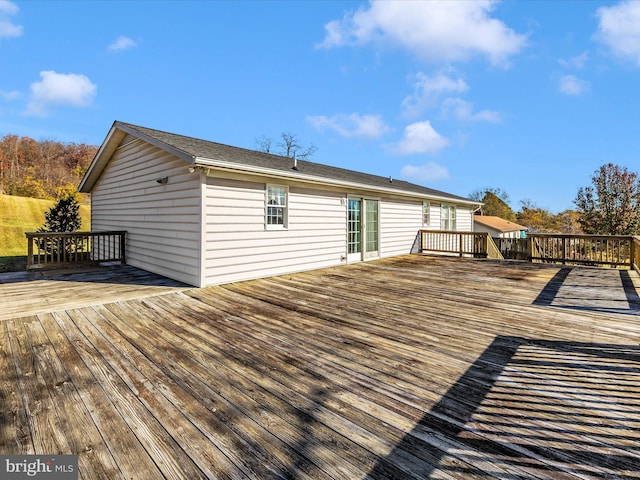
(52, 249)
(613, 250)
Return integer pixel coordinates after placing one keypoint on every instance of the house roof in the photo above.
(497, 223)
(214, 155)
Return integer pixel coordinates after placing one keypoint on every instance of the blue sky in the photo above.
(530, 97)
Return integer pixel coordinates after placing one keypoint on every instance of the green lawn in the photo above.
(22, 214)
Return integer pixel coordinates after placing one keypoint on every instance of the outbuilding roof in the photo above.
(209, 154)
(498, 223)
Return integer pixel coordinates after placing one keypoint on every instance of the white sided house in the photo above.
(205, 213)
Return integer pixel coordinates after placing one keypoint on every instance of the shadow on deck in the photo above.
(527, 408)
(410, 368)
(611, 291)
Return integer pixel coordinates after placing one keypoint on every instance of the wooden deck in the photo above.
(412, 367)
(33, 292)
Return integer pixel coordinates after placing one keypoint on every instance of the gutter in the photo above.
(295, 175)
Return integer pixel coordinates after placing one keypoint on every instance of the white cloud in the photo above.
(9, 96)
(463, 110)
(353, 125)
(619, 29)
(428, 172)
(449, 31)
(8, 7)
(8, 28)
(122, 43)
(420, 137)
(60, 89)
(578, 61)
(570, 85)
(428, 90)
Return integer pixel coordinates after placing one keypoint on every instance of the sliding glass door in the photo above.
(371, 230)
(363, 229)
(354, 230)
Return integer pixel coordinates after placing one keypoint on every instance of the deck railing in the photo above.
(595, 250)
(471, 244)
(514, 248)
(52, 249)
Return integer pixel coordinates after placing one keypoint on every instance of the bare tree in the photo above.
(288, 146)
(264, 143)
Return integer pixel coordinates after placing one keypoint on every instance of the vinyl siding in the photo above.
(239, 247)
(162, 221)
(464, 219)
(435, 216)
(400, 221)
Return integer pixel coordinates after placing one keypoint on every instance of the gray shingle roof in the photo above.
(205, 149)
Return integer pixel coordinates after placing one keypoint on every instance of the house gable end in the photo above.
(114, 140)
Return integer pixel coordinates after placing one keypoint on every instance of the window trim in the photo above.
(451, 208)
(426, 213)
(285, 208)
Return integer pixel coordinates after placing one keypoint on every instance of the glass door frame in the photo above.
(364, 229)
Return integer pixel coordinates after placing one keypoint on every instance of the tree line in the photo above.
(609, 206)
(42, 169)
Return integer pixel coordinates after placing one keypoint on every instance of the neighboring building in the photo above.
(498, 227)
(206, 213)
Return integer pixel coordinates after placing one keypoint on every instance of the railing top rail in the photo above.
(73, 234)
(571, 235)
(422, 230)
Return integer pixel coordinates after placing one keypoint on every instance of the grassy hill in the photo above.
(23, 214)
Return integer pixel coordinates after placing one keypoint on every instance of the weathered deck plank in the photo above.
(30, 293)
(413, 367)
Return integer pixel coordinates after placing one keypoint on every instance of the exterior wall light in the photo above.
(163, 180)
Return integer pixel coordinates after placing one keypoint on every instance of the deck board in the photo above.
(412, 367)
(33, 292)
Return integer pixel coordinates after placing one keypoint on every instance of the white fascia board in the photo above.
(109, 145)
(157, 143)
(222, 165)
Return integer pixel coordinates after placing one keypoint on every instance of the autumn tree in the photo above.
(568, 221)
(611, 205)
(536, 219)
(496, 203)
(39, 169)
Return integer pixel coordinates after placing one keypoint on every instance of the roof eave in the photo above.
(293, 175)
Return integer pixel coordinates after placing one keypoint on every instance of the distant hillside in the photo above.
(41, 169)
(23, 214)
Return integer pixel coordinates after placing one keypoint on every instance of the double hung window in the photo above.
(276, 206)
(426, 214)
(448, 217)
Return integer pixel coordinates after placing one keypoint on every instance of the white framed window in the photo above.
(448, 217)
(276, 205)
(426, 213)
